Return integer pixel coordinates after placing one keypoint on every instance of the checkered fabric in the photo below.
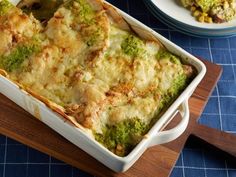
(18, 160)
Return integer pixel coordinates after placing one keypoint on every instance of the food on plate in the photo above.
(88, 65)
(212, 11)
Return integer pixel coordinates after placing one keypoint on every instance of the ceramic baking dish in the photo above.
(82, 140)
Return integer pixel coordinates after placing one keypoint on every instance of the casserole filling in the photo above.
(217, 11)
(92, 70)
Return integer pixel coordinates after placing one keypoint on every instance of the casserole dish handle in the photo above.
(170, 135)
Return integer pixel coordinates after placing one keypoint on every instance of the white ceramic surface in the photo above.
(14, 2)
(173, 9)
(79, 138)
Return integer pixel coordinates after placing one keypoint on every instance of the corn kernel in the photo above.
(193, 8)
(201, 18)
(226, 5)
(196, 13)
(208, 20)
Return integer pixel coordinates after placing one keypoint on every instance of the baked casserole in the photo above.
(88, 65)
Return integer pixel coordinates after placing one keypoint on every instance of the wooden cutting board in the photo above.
(156, 161)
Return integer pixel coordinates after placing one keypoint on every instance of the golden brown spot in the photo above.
(87, 123)
(3, 72)
(58, 15)
(54, 69)
(188, 70)
(74, 108)
(120, 150)
(124, 88)
(149, 89)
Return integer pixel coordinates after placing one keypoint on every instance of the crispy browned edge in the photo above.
(53, 106)
(118, 20)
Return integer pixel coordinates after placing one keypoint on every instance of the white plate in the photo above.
(173, 9)
(186, 29)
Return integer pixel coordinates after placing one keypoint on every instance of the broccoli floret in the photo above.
(4, 7)
(125, 135)
(132, 46)
(163, 54)
(13, 60)
(206, 5)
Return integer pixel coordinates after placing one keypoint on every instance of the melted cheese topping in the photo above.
(82, 66)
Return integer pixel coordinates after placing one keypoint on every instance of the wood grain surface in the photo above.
(156, 161)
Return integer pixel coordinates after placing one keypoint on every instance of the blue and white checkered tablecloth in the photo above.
(18, 160)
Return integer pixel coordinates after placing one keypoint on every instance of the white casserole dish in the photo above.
(82, 140)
